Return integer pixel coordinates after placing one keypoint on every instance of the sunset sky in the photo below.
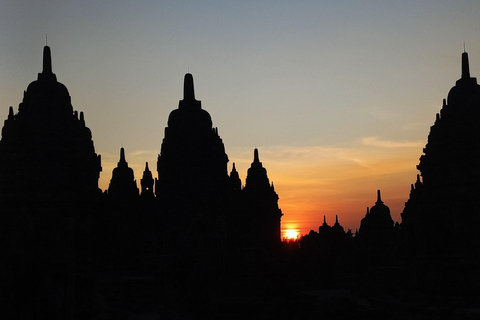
(338, 96)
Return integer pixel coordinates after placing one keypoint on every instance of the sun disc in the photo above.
(291, 234)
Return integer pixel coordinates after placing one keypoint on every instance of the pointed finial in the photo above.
(188, 90)
(47, 60)
(82, 118)
(10, 112)
(336, 219)
(146, 166)
(324, 219)
(379, 197)
(418, 183)
(255, 155)
(122, 155)
(234, 169)
(465, 66)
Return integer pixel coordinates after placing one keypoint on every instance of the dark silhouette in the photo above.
(46, 152)
(378, 222)
(49, 195)
(329, 250)
(261, 215)
(441, 219)
(67, 247)
(147, 182)
(123, 186)
(378, 235)
(192, 185)
(194, 244)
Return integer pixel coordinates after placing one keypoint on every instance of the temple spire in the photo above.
(379, 197)
(188, 89)
(255, 156)
(10, 113)
(122, 156)
(47, 74)
(465, 66)
(47, 60)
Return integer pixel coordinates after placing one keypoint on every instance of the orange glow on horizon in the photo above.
(313, 182)
(305, 209)
(309, 189)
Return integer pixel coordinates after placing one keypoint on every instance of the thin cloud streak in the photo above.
(375, 142)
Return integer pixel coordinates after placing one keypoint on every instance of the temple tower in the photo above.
(235, 182)
(192, 162)
(377, 237)
(49, 197)
(441, 217)
(440, 220)
(192, 185)
(324, 227)
(47, 157)
(261, 212)
(147, 183)
(377, 226)
(123, 185)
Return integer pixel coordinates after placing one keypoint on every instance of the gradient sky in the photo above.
(338, 96)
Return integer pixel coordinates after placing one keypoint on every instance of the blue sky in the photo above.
(312, 84)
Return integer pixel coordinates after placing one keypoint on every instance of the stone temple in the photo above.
(441, 218)
(57, 225)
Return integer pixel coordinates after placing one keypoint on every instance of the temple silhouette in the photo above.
(191, 242)
(58, 226)
(440, 219)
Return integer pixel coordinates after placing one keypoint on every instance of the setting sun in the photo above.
(291, 234)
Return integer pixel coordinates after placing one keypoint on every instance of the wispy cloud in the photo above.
(375, 142)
